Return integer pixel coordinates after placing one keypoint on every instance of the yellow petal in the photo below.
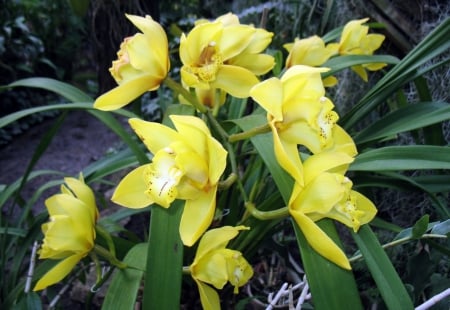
(366, 205)
(211, 269)
(239, 270)
(126, 92)
(234, 39)
(319, 195)
(217, 238)
(330, 81)
(84, 193)
(324, 161)
(343, 142)
(197, 216)
(269, 95)
(138, 52)
(154, 135)
(303, 84)
(260, 40)
(208, 296)
(319, 241)
(192, 45)
(361, 72)
(58, 272)
(194, 130)
(288, 157)
(74, 208)
(130, 192)
(259, 64)
(236, 81)
(62, 239)
(217, 160)
(194, 167)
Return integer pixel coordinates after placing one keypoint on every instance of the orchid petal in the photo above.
(236, 81)
(154, 135)
(131, 190)
(320, 241)
(126, 92)
(197, 216)
(58, 272)
(208, 296)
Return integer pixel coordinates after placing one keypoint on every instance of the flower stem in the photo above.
(102, 232)
(231, 155)
(108, 255)
(266, 215)
(186, 270)
(398, 242)
(177, 88)
(248, 134)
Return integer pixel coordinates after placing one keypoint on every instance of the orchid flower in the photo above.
(70, 233)
(299, 114)
(142, 64)
(187, 164)
(225, 55)
(355, 40)
(312, 52)
(327, 193)
(216, 265)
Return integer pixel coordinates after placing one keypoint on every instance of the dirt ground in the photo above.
(81, 140)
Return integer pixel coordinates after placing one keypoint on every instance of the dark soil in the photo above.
(81, 140)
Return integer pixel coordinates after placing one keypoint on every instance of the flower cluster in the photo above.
(299, 114)
(219, 58)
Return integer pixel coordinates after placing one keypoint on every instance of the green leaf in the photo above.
(388, 281)
(411, 157)
(30, 300)
(441, 228)
(13, 231)
(339, 63)
(420, 227)
(65, 90)
(411, 117)
(125, 283)
(162, 289)
(332, 287)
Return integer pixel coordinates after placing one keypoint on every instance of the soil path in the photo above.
(81, 140)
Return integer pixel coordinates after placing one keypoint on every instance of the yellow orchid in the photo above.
(187, 164)
(355, 40)
(70, 233)
(298, 113)
(142, 64)
(225, 55)
(311, 52)
(216, 265)
(327, 193)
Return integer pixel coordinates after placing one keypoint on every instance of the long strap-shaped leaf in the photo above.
(162, 285)
(125, 283)
(407, 118)
(409, 157)
(388, 282)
